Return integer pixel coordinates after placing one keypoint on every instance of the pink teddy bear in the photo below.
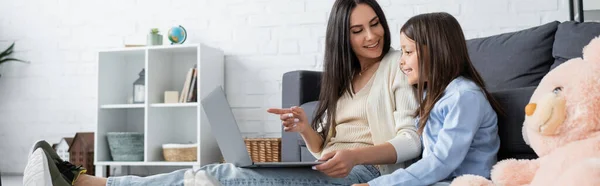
(562, 125)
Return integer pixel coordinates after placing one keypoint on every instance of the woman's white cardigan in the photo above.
(390, 113)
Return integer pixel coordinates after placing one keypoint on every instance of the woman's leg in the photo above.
(57, 170)
(88, 180)
(172, 178)
(228, 174)
(44, 161)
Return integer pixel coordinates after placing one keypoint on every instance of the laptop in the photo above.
(229, 138)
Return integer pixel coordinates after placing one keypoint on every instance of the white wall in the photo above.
(591, 5)
(55, 95)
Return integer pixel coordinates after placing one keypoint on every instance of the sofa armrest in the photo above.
(299, 87)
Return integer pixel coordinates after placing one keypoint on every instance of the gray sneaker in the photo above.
(45, 168)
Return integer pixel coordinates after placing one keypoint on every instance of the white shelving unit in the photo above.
(162, 123)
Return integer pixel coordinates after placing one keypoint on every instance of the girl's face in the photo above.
(409, 62)
(366, 33)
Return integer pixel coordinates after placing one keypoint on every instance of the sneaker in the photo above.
(45, 168)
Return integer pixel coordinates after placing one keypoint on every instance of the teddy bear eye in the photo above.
(557, 90)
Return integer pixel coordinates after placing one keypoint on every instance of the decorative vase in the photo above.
(154, 39)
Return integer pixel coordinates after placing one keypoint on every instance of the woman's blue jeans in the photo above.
(228, 174)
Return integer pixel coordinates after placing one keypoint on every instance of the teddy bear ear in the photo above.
(592, 50)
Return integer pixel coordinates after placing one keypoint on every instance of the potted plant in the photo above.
(5, 56)
(154, 37)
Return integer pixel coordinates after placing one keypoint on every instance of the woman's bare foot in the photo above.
(87, 180)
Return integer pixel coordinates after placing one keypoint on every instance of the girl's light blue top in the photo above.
(460, 137)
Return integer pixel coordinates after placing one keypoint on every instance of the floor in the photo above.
(12, 180)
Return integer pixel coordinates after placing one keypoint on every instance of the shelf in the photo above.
(117, 71)
(122, 106)
(127, 50)
(170, 125)
(174, 105)
(176, 48)
(141, 163)
(166, 68)
(169, 163)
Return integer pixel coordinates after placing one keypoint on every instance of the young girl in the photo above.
(457, 116)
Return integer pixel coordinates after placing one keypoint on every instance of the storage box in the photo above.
(180, 152)
(126, 146)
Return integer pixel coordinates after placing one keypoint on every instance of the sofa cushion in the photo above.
(570, 39)
(516, 59)
(513, 102)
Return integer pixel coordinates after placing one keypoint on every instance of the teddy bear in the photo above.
(562, 126)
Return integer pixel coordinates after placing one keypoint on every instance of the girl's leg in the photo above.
(228, 174)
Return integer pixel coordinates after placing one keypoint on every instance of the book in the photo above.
(193, 86)
(185, 89)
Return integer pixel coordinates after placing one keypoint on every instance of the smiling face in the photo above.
(366, 33)
(409, 62)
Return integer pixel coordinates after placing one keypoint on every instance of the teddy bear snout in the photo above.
(530, 109)
(547, 114)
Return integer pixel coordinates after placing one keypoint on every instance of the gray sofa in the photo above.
(512, 65)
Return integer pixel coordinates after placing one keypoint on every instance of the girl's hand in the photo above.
(338, 164)
(293, 119)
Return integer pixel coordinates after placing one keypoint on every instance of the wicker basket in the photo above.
(180, 152)
(264, 149)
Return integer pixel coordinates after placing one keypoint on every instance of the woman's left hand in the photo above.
(362, 184)
(338, 164)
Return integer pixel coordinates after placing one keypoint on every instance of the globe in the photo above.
(177, 35)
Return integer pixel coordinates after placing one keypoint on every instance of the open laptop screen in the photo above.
(225, 128)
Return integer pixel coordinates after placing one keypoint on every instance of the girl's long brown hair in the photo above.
(443, 56)
(340, 62)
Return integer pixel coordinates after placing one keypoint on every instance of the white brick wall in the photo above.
(55, 95)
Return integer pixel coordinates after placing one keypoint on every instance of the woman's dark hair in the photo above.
(341, 63)
(443, 56)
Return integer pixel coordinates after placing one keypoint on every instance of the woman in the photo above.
(364, 96)
(364, 117)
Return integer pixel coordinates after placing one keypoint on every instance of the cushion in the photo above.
(510, 123)
(570, 39)
(516, 59)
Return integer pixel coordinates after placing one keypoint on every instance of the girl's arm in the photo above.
(462, 119)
